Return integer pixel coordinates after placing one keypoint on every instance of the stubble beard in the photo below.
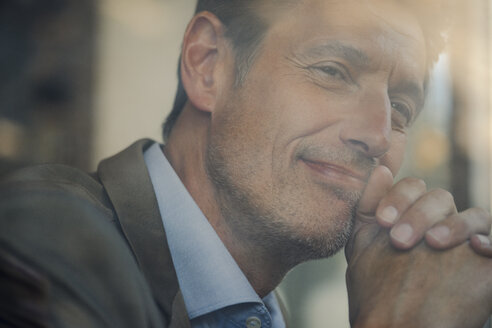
(269, 228)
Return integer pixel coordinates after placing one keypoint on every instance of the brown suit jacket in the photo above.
(86, 251)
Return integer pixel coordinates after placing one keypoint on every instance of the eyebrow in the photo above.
(339, 49)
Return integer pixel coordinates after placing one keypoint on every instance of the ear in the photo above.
(201, 54)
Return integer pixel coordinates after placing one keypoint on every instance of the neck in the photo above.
(186, 151)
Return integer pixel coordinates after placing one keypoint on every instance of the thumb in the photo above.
(380, 181)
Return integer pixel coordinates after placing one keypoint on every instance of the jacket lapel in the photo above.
(179, 318)
(127, 182)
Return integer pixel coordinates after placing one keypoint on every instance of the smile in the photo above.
(332, 173)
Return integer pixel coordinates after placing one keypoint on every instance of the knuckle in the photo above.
(419, 184)
(415, 183)
(458, 223)
(482, 214)
(419, 214)
(442, 195)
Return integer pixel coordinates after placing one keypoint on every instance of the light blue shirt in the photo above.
(215, 291)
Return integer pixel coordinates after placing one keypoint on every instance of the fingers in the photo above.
(378, 185)
(413, 213)
(398, 200)
(481, 245)
(432, 207)
(458, 228)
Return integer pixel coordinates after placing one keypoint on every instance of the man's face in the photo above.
(331, 94)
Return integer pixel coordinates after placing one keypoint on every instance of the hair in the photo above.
(245, 28)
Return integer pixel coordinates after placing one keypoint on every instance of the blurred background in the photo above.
(81, 80)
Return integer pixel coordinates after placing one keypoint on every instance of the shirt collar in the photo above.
(208, 276)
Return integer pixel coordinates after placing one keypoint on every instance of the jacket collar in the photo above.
(127, 182)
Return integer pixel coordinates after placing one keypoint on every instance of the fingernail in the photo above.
(402, 233)
(484, 240)
(389, 214)
(440, 233)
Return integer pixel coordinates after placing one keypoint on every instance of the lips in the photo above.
(337, 173)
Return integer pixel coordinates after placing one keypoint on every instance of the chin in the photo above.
(316, 236)
(322, 242)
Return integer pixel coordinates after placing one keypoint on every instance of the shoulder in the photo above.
(56, 179)
(54, 221)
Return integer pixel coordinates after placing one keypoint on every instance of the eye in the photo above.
(332, 71)
(403, 116)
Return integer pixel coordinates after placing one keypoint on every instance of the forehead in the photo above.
(380, 30)
(389, 14)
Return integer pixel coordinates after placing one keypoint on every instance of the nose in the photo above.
(367, 127)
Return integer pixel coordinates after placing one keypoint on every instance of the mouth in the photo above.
(340, 175)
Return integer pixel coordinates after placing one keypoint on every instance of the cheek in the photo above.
(305, 109)
(393, 159)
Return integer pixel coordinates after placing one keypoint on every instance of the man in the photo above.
(282, 146)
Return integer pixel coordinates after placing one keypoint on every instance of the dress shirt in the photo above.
(215, 290)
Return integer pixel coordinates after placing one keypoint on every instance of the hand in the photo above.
(421, 287)
(417, 288)
(412, 213)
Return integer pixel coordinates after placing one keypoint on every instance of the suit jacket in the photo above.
(80, 250)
